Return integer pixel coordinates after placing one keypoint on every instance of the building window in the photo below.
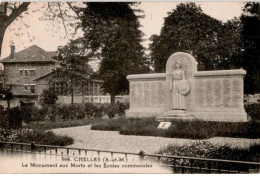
(20, 72)
(26, 72)
(26, 87)
(258, 100)
(32, 72)
(32, 88)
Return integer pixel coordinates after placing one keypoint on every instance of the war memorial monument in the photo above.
(183, 93)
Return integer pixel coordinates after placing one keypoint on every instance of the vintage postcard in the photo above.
(129, 87)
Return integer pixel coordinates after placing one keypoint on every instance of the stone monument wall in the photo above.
(213, 96)
(219, 95)
(147, 95)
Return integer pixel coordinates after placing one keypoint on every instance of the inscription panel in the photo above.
(209, 93)
(219, 92)
(237, 93)
(227, 93)
(147, 94)
(200, 92)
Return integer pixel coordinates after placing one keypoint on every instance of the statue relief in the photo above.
(179, 87)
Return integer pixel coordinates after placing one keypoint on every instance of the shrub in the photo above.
(4, 122)
(144, 127)
(53, 112)
(253, 110)
(27, 113)
(90, 109)
(15, 118)
(205, 149)
(49, 97)
(37, 136)
(190, 130)
(112, 110)
(122, 107)
(110, 125)
(99, 110)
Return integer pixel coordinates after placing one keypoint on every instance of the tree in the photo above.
(49, 97)
(230, 45)
(74, 68)
(8, 13)
(58, 12)
(111, 32)
(7, 95)
(250, 37)
(188, 29)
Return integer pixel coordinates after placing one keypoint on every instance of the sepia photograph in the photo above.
(129, 87)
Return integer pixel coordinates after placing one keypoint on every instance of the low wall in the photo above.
(84, 99)
(217, 95)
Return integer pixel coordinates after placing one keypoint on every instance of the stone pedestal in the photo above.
(175, 115)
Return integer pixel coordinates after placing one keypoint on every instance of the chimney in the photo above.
(12, 51)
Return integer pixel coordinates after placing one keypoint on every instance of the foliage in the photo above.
(111, 32)
(253, 110)
(250, 37)
(144, 127)
(15, 118)
(58, 14)
(37, 136)
(49, 97)
(59, 113)
(122, 107)
(112, 110)
(74, 69)
(188, 29)
(205, 149)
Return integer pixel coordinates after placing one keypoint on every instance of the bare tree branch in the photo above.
(49, 7)
(5, 8)
(76, 12)
(17, 12)
(62, 19)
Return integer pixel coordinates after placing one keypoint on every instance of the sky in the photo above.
(49, 35)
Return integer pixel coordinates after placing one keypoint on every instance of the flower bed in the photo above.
(189, 130)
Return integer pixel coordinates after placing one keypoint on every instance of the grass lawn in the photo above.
(188, 130)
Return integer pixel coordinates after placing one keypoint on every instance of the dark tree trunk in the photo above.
(6, 20)
(113, 99)
(72, 95)
(2, 32)
(72, 90)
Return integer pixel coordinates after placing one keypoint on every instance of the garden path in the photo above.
(84, 137)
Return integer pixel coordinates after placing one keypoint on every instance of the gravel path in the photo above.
(112, 140)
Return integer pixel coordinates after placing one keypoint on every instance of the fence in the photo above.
(178, 164)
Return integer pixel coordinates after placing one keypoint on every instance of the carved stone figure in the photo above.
(179, 87)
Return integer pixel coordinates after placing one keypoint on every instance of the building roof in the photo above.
(1, 67)
(30, 54)
(53, 53)
(44, 75)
